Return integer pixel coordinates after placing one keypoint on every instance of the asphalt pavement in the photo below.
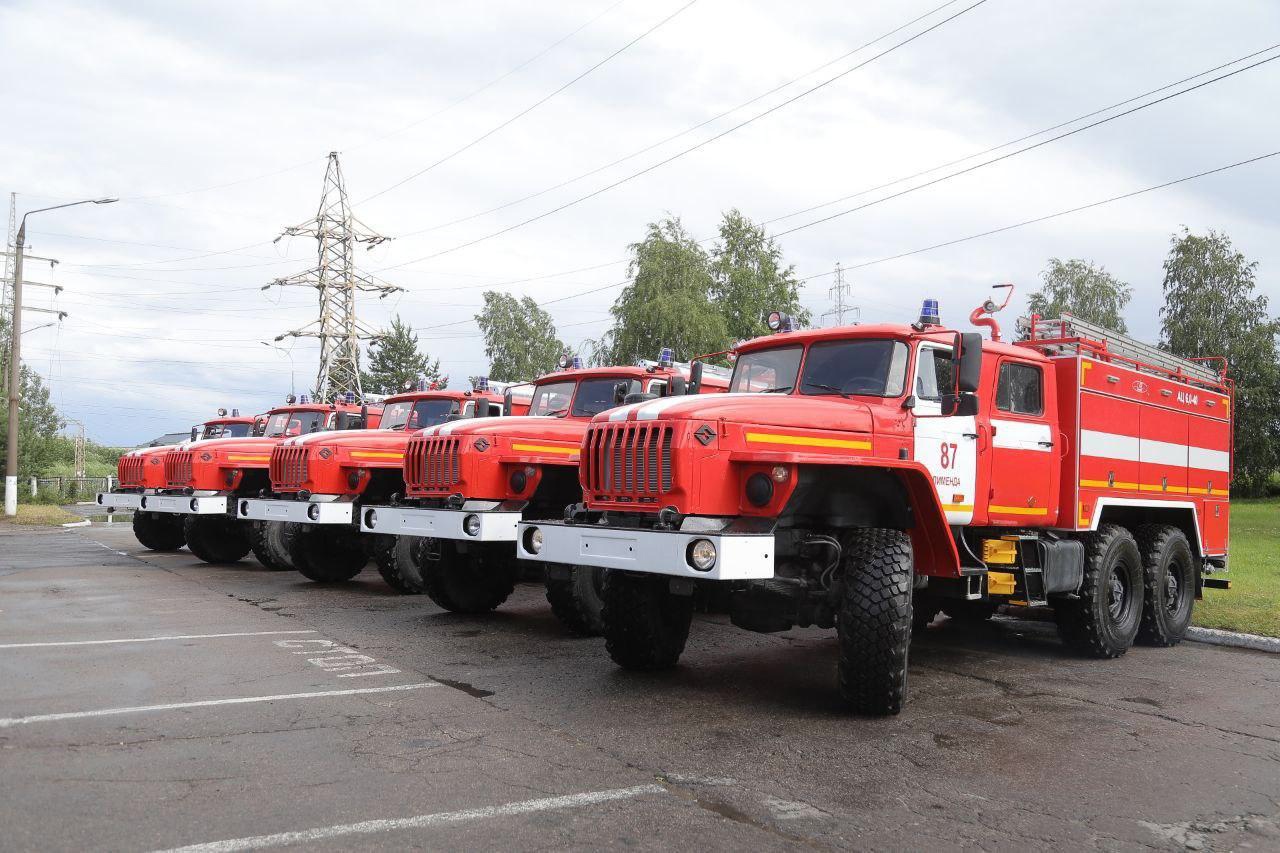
(150, 701)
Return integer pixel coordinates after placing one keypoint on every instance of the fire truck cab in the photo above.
(469, 483)
(204, 478)
(863, 478)
(320, 481)
(140, 473)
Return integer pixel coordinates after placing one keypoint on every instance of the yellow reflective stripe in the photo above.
(1149, 487)
(370, 454)
(957, 507)
(1018, 510)
(1103, 484)
(546, 448)
(248, 458)
(806, 441)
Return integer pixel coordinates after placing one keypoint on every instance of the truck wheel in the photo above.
(645, 624)
(269, 541)
(1169, 583)
(1103, 621)
(874, 622)
(576, 601)
(159, 531)
(327, 554)
(397, 561)
(968, 612)
(475, 582)
(216, 538)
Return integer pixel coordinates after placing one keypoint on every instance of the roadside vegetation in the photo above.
(1252, 604)
(40, 515)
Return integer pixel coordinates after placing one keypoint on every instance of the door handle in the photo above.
(1045, 443)
(972, 436)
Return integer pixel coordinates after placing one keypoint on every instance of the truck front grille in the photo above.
(627, 459)
(432, 464)
(131, 470)
(288, 467)
(177, 468)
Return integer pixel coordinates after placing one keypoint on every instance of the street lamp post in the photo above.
(15, 357)
(292, 366)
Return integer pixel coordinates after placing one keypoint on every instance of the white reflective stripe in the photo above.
(1109, 445)
(649, 410)
(1021, 435)
(1163, 453)
(1208, 460)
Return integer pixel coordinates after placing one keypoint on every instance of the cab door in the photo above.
(947, 446)
(1024, 451)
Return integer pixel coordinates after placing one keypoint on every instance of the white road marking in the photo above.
(138, 709)
(367, 827)
(147, 639)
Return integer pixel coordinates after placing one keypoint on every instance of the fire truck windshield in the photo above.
(285, 424)
(551, 399)
(597, 395)
(872, 368)
(227, 430)
(767, 370)
(411, 414)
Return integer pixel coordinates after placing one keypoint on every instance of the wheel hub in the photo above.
(1171, 589)
(1118, 596)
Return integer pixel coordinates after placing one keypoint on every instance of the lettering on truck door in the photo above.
(948, 447)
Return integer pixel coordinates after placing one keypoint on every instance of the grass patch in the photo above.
(1253, 602)
(41, 515)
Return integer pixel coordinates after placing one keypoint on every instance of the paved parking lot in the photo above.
(152, 702)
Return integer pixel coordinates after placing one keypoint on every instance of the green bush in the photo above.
(1273, 485)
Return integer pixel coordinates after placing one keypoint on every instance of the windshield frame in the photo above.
(907, 364)
(316, 417)
(412, 408)
(232, 430)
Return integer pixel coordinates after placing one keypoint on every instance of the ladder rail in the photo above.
(1068, 330)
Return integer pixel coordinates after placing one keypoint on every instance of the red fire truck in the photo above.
(141, 472)
(469, 482)
(203, 479)
(855, 475)
(319, 483)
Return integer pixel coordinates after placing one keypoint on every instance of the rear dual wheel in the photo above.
(1103, 620)
(1169, 582)
(159, 531)
(216, 538)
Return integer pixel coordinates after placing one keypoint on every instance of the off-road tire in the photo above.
(968, 612)
(576, 601)
(327, 554)
(476, 581)
(874, 622)
(159, 531)
(269, 541)
(645, 624)
(1166, 556)
(1103, 621)
(397, 560)
(216, 538)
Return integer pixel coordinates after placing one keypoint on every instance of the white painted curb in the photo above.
(84, 523)
(1216, 637)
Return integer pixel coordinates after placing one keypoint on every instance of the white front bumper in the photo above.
(739, 556)
(185, 504)
(300, 512)
(120, 500)
(496, 525)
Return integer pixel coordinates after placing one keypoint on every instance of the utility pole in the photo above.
(79, 446)
(15, 357)
(336, 231)
(841, 304)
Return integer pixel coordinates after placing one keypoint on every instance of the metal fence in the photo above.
(81, 488)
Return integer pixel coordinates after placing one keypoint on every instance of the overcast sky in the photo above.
(212, 123)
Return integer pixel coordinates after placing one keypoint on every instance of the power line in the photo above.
(526, 110)
(691, 148)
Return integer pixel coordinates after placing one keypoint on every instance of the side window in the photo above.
(468, 408)
(657, 386)
(1020, 389)
(934, 374)
(495, 410)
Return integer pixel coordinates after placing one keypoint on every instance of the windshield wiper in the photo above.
(780, 390)
(558, 413)
(825, 387)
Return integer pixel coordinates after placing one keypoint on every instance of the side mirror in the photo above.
(695, 379)
(676, 387)
(506, 400)
(482, 408)
(966, 356)
(195, 433)
(620, 393)
(961, 405)
(638, 397)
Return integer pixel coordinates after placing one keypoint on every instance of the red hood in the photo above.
(778, 410)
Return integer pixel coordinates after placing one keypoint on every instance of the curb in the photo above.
(1217, 637)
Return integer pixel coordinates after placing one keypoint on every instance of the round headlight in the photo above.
(195, 505)
(533, 540)
(370, 518)
(313, 512)
(471, 525)
(518, 480)
(780, 473)
(759, 489)
(244, 507)
(702, 554)
(144, 503)
(99, 499)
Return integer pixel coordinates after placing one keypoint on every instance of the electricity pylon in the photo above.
(336, 231)
(840, 302)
